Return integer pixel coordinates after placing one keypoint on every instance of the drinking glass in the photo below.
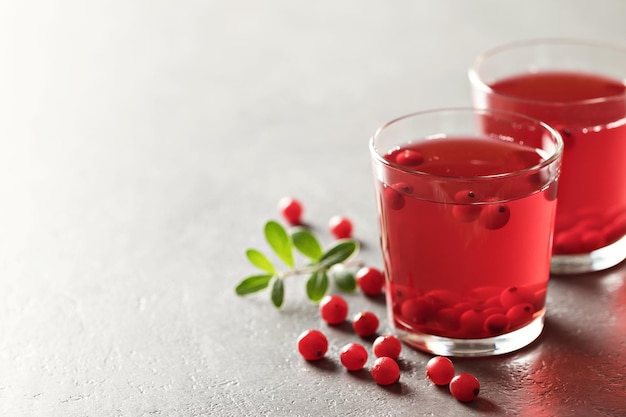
(466, 201)
(577, 87)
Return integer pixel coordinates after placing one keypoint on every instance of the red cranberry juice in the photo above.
(591, 211)
(463, 258)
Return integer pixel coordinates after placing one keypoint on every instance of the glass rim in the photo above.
(477, 81)
(379, 156)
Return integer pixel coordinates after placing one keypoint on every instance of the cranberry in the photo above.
(520, 314)
(312, 345)
(370, 280)
(495, 216)
(440, 370)
(365, 323)
(393, 198)
(415, 310)
(592, 239)
(464, 387)
(465, 196)
(403, 187)
(388, 346)
(494, 310)
(353, 356)
(515, 295)
(291, 210)
(465, 211)
(340, 227)
(438, 299)
(496, 323)
(492, 302)
(409, 158)
(400, 294)
(385, 371)
(472, 322)
(449, 318)
(567, 241)
(333, 309)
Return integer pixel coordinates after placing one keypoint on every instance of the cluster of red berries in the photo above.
(292, 210)
(333, 309)
(491, 216)
(370, 280)
(313, 345)
(481, 312)
(589, 229)
(464, 387)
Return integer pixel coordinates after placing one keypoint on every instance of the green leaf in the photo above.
(259, 260)
(339, 253)
(343, 278)
(317, 285)
(278, 292)
(307, 243)
(253, 283)
(279, 241)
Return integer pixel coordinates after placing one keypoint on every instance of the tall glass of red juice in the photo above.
(466, 203)
(579, 88)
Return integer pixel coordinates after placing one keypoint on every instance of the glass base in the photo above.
(490, 346)
(597, 260)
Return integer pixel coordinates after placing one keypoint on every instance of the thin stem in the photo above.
(317, 267)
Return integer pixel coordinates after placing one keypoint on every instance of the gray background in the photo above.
(143, 144)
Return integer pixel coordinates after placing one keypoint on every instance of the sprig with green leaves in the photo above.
(324, 267)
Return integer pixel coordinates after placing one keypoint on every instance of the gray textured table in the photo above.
(143, 144)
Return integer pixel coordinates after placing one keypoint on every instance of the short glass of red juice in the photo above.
(578, 88)
(466, 202)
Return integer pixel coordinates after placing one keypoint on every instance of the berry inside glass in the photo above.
(579, 89)
(466, 202)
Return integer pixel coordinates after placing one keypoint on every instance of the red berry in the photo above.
(388, 346)
(393, 199)
(464, 387)
(520, 314)
(416, 310)
(312, 345)
(409, 158)
(340, 227)
(592, 239)
(466, 211)
(495, 216)
(333, 309)
(385, 371)
(440, 370)
(465, 196)
(394, 195)
(449, 318)
(353, 356)
(516, 295)
(365, 323)
(291, 210)
(370, 280)
(496, 323)
(472, 323)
